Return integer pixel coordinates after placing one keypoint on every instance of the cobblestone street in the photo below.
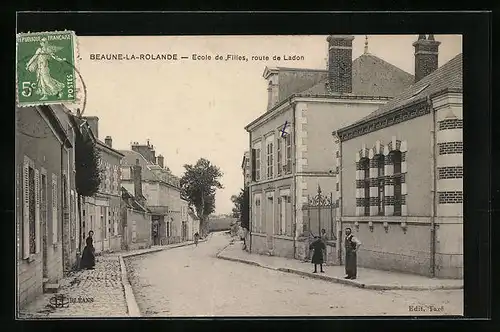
(91, 293)
(191, 281)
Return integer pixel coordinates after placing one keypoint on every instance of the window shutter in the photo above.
(37, 211)
(253, 164)
(54, 209)
(26, 212)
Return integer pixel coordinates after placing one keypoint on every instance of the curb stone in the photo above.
(341, 280)
(132, 307)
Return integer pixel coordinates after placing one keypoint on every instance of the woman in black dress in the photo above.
(88, 256)
(317, 258)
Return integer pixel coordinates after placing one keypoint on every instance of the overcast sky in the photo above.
(191, 109)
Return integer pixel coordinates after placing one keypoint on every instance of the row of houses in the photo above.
(138, 203)
(366, 145)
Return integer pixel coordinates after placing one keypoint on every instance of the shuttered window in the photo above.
(288, 152)
(31, 209)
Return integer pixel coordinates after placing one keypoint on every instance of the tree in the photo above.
(87, 160)
(199, 184)
(241, 207)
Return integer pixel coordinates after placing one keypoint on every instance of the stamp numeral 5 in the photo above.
(28, 88)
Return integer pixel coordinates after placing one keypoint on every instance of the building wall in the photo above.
(320, 120)
(418, 179)
(138, 229)
(46, 157)
(449, 185)
(404, 243)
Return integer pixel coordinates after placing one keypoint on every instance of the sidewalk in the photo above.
(102, 292)
(367, 278)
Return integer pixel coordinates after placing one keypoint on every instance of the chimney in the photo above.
(426, 56)
(137, 178)
(340, 63)
(108, 141)
(152, 155)
(160, 160)
(93, 122)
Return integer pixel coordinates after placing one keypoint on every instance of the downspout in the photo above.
(294, 182)
(433, 190)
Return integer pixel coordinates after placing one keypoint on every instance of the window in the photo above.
(396, 160)
(256, 164)
(288, 151)
(103, 225)
(279, 152)
(168, 229)
(365, 167)
(256, 214)
(379, 159)
(31, 209)
(270, 161)
(284, 218)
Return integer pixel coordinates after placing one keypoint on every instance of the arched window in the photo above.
(365, 167)
(396, 161)
(379, 160)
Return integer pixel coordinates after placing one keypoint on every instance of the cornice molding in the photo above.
(392, 118)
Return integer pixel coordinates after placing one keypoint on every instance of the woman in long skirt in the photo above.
(317, 258)
(88, 256)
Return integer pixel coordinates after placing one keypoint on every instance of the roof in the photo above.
(107, 148)
(448, 76)
(131, 202)
(371, 76)
(59, 126)
(130, 158)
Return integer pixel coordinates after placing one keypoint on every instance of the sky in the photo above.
(190, 109)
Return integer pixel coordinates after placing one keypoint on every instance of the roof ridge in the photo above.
(382, 60)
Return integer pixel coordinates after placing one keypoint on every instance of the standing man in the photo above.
(352, 245)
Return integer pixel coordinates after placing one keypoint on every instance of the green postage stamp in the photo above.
(45, 69)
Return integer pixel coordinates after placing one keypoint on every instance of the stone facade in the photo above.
(400, 179)
(40, 164)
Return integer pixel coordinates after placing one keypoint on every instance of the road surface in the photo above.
(191, 281)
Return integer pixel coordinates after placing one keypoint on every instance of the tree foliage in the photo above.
(241, 207)
(199, 184)
(87, 160)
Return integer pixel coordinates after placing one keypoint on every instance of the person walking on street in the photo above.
(196, 238)
(352, 245)
(88, 255)
(318, 246)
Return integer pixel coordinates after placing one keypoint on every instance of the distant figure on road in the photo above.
(351, 248)
(317, 258)
(196, 238)
(88, 255)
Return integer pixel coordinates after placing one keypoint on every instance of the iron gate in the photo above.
(320, 212)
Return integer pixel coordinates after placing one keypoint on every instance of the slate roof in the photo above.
(129, 160)
(448, 76)
(131, 202)
(371, 76)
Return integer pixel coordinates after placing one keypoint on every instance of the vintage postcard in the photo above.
(202, 176)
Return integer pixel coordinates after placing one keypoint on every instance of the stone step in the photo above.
(50, 288)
